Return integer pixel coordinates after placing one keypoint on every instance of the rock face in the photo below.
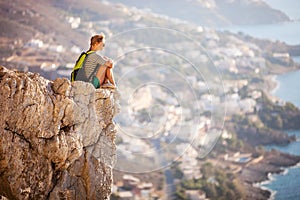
(56, 138)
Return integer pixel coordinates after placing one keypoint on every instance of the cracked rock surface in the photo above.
(56, 138)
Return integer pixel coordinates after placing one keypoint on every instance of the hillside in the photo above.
(24, 20)
(213, 13)
(42, 36)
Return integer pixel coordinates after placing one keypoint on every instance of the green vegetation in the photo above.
(180, 193)
(278, 116)
(114, 197)
(176, 171)
(215, 182)
(118, 140)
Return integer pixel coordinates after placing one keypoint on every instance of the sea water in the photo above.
(287, 32)
(286, 185)
(288, 89)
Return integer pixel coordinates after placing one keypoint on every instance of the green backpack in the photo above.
(78, 64)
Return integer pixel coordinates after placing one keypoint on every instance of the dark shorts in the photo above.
(96, 82)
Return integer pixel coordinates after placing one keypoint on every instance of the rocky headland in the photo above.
(256, 172)
(56, 138)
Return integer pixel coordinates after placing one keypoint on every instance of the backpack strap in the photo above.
(81, 59)
(79, 63)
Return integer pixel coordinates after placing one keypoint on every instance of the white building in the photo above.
(35, 43)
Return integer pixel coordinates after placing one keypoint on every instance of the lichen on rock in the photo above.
(56, 138)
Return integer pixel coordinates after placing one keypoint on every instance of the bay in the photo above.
(288, 87)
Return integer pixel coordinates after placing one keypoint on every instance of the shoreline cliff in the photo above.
(57, 138)
(254, 174)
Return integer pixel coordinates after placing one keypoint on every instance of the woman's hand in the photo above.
(109, 64)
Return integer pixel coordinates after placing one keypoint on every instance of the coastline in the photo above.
(261, 186)
(255, 176)
(266, 171)
(273, 176)
(276, 84)
(270, 179)
(271, 86)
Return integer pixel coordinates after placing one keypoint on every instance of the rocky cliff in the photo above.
(56, 138)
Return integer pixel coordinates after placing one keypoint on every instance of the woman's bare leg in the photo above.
(110, 76)
(101, 73)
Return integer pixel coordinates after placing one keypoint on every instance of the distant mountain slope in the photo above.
(46, 20)
(212, 12)
(23, 20)
(249, 12)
